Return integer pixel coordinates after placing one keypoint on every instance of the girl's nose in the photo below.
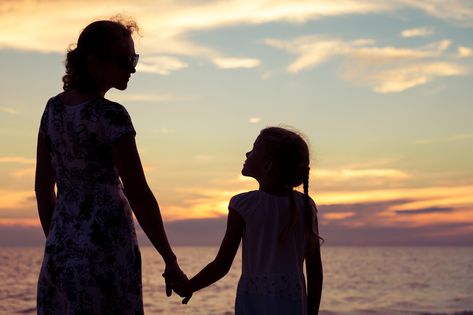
(247, 153)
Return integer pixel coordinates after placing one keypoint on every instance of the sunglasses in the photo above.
(126, 62)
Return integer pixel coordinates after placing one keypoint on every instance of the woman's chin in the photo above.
(122, 86)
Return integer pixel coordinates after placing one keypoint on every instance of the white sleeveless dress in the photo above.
(272, 280)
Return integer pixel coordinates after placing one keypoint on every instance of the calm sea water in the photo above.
(358, 281)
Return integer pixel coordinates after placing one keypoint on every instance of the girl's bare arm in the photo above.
(220, 266)
(314, 272)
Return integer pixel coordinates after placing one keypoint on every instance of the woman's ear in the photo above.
(92, 63)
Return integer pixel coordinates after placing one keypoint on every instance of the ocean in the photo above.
(357, 281)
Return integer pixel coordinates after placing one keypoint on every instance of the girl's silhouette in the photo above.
(279, 229)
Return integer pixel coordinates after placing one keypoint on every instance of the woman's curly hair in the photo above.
(95, 39)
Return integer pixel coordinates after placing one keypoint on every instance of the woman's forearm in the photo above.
(148, 214)
(46, 201)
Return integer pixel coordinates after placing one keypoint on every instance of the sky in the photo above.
(381, 89)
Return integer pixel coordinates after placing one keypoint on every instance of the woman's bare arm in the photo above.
(45, 180)
(142, 200)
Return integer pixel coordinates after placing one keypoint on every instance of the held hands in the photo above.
(177, 281)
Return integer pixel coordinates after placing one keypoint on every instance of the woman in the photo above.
(86, 144)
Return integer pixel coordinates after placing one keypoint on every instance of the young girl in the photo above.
(279, 230)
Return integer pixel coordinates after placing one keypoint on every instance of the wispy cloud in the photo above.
(384, 69)
(234, 63)
(464, 52)
(457, 137)
(424, 141)
(398, 80)
(349, 174)
(425, 211)
(465, 136)
(163, 65)
(454, 11)
(166, 25)
(144, 97)
(9, 110)
(417, 32)
(254, 120)
(16, 160)
(14, 199)
(27, 173)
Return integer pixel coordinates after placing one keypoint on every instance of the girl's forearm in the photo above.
(207, 276)
(314, 295)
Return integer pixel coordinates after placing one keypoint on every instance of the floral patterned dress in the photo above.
(92, 263)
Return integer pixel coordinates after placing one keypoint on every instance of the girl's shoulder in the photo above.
(244, 197)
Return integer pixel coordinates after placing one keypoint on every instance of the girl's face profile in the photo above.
(255, 160)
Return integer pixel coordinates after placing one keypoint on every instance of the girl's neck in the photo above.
(274, 188)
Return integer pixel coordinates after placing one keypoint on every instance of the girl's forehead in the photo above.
(258, 141)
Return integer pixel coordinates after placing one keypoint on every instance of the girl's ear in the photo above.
(267, 166)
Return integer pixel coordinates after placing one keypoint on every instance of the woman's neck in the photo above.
(74, 96)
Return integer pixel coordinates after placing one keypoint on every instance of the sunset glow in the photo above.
(381, 89)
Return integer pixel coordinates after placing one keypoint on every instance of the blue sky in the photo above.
(382, 89)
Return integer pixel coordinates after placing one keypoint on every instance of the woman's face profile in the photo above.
(115, 68)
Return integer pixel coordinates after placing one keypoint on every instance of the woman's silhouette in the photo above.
(86, 144)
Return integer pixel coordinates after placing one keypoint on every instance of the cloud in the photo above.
(424, 141)
(9, 110)
(455, 11)
(458, 137)
(234, 63)
(384, 69)
(203, 158)
(424, 211)
(144, 97)
(349, 174)
(466, 136)
(165, 24)
(27, 173)
(465, 52)
(16, 160)
(163, 65)
(16, 199)
(254, 120)
(403, 78)
(417, 32)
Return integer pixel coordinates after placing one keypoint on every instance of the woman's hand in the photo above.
(177, 281)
